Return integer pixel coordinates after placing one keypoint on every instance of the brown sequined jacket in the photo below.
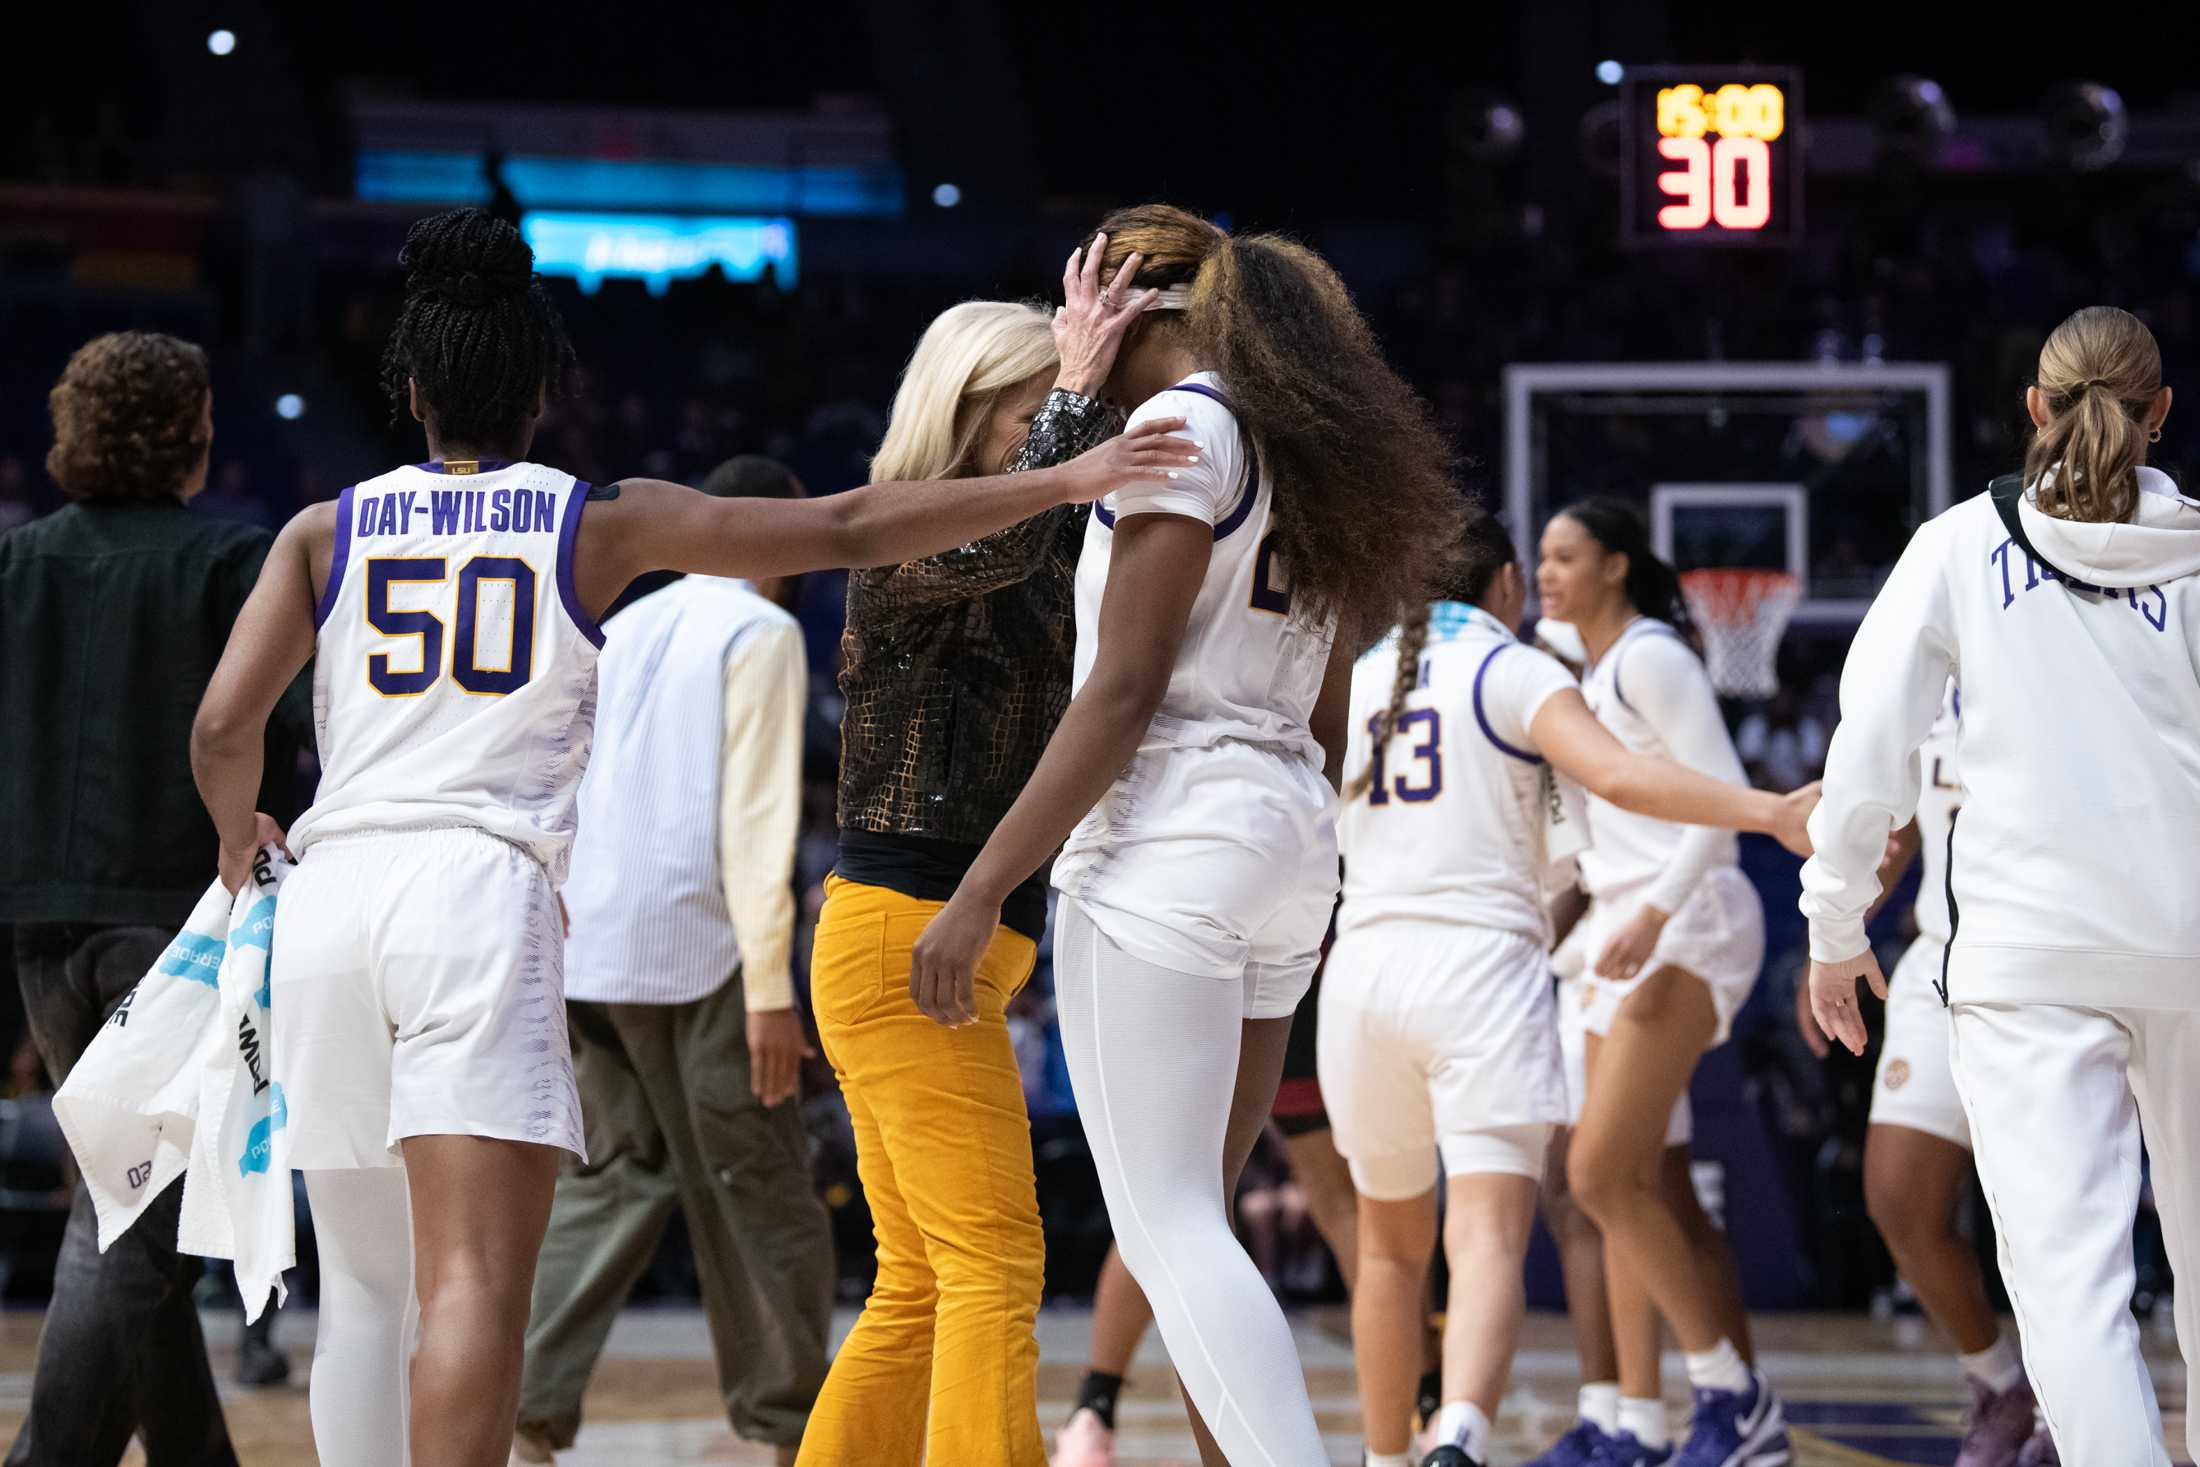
(956, 668)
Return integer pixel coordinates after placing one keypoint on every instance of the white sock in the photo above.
(1389, 1459)
(1646, 1419)
(1719, 1368)
(1600, 1405)
(1461, 1424)
(1998, 1367)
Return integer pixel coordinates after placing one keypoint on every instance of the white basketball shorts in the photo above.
(419, 990)
(1718, 935)
(1573, 1046)
(1219, 861)
(1438, 1040)
(1916, 1083)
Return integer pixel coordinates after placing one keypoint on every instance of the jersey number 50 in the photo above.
(1429, 751)
(466, 668)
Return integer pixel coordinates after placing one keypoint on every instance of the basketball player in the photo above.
(1189, 772)
(1676, 939)
(421, 1044)
(1917, 1151)
(2068, 596)
(1438, 1039)
(956, 668)
(1591, 1308)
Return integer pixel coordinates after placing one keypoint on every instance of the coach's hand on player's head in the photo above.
(777, 1048)
(1793, 830)
(1090, 322)
(1833, 1000)
(944, 968)
(1143, 452)
(235, 862)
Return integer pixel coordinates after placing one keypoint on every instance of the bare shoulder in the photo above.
(312, 529)
(615, 542)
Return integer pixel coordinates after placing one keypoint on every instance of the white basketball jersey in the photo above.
(1627, 849)
(1449, 827)
(455, 678)
(1940, 794)
(1248, 668)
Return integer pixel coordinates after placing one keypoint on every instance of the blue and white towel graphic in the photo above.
(130, 1104)
(191, 1044)
(237, 1195)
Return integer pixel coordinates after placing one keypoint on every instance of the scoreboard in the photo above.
(1714, 156)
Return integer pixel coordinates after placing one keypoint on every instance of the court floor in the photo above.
(1859, 1392)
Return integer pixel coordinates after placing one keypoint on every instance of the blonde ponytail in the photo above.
(2100, 372)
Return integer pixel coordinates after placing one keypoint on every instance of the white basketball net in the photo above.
(1743, 614)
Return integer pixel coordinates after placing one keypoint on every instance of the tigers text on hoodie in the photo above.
(2074, 870)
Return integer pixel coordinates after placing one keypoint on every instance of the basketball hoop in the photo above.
(1743, 614)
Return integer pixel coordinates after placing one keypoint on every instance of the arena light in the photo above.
(2086, 125)
(1912, 120)
(658, 249)
(947, 196)
(1611, 73)
(221, 43)
(290, 406)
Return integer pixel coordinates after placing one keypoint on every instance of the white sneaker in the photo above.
(530, 1451)
(1084, 1442)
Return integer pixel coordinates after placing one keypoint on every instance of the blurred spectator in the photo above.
(1782, 746)
(117, 607)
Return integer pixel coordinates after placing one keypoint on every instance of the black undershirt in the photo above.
(930, 870)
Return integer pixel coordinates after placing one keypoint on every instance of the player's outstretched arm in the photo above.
(652, 525)
(1583, 749)
(1154, 575)
(271, 642)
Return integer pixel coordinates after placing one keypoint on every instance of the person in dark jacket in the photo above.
(113, 611)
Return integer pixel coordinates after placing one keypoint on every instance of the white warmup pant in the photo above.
(2057, 1097)
(1153, 1055)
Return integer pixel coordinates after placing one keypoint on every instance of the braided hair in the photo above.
(478, 333)
(1484, 550)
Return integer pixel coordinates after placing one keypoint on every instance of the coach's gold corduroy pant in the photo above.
(941, 1366)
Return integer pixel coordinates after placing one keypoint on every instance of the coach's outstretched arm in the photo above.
(644, 525)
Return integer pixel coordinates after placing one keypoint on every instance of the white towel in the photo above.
(179, 1082)
(130, 1103)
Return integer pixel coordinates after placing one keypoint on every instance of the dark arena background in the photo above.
(1776, 273)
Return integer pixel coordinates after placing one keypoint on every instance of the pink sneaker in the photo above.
(1084, 1443)
(2000, 1426)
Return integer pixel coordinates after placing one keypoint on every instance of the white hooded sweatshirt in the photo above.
(2074, 868)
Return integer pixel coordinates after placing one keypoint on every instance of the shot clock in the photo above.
(1714, 156)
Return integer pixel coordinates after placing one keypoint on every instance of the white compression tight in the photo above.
(1153, 1055)
(370, 1317)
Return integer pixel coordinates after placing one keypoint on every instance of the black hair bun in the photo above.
(466, 258)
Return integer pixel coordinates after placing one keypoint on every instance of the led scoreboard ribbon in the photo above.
(1713, 156)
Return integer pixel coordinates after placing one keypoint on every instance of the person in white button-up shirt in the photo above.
(687, 1040)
